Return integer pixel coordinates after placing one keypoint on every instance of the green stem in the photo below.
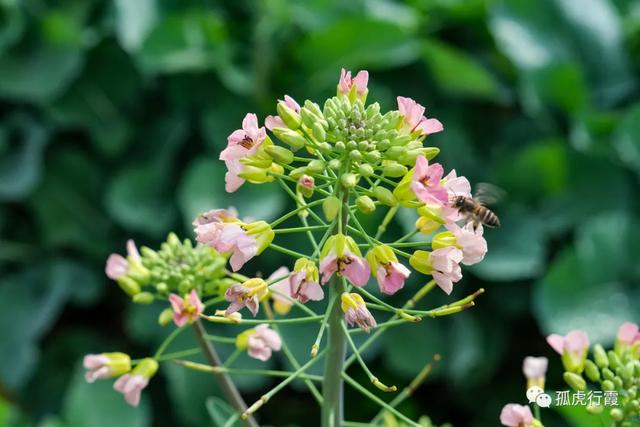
(229, 321)
(300, 229)
(224, 380)
(387, 219)
(286, 251)
(242, 371)
(332, 387)
(172, 336)
(288, 215)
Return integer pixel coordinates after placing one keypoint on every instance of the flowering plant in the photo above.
(339, 163)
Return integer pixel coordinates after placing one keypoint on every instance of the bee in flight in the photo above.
(474, 208)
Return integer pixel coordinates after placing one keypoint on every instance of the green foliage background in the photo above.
(112, 115)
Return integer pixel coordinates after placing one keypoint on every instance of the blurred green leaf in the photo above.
(194, 40)
(13, 23)
(457, 73)
(188, 390)
(99, 405)
(356, 43)
(627, 138)
(408, 348)
(135, 19)
(220, 412)
(202, 189)
(21, 161)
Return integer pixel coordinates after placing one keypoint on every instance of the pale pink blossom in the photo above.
(356, 312)
(97, 367)
(391, 277)
(473, 244)
(445, 263)
(360, 82)
(414, 119)
(514, 415)
(238, 296)
(186, 310)
(131, 386)
(425, 182)
(221, 230)
(272, 122)
(575, 342)
(304, 289)
(353, 267)
(535, 368)
(117, 265)
(282, 288)
(307, 182)
(263, 342)
(628, 334)
(457, 185)
(240, 144)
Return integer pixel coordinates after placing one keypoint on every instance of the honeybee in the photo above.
(474, 208)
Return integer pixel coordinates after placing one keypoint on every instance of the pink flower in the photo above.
(240, 144)
(414, 119)
(131, 386)
(117, 265)
(263, 342)
(220, 229)
(514, 415)
(360, 82)
(445, 263)
(573, 347)
(353, 267)
(356, 312)
(272, 122)
(307, 182)
(474, 246)
(391, 277)
(105, 365)
(425, 182)
(305, 289)
(535, 370)
(186, 310)
(628, 334)
(457, 185)
(247, 294)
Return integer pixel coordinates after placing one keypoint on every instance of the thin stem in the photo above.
(286, 188)
(167, 341)
(241, 371)
(316, 345)
(178, 354)
(300, 229)
(234, 356)
(224, 381)
(230, 321)
(293, 212)
(374, 380)
(387, 219)
(407, 236)
(398, 311)
(353, 383)
(216, 338)
(286, 251)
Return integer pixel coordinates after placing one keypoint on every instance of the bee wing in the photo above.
(488, 194)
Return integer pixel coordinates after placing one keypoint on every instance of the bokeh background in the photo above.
(112, 115)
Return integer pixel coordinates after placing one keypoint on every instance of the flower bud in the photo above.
(365, 204)
(290, 137)
(444, 239)
(385, 196)
(421, 261)
(608, 374)
(262, 232)
(162, 288)
(309, 118)
(143, 298)
(373, 156)
(592, 371)
(607, 385)
(324, 147)
(288, 116)
(617, 414)
(365, 170)
(595, 409)
(349, 180)
(394, 170)
(575, 381)
(318, 132)
(340, 147)
(257, 162)
(280, 154)
(313, 108)
(394, 153)
(147, 368)
(306, 185)
(166, 317)
(315, 166)
(355, 155)
(255, 175)
(128, 285)
(242, 340)
(363, 146)
(614, 359)
(331, 207)
(334, 164)
(298, 172)
(600, 356)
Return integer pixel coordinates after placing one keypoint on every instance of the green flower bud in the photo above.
(614, 359)
(443, 240)
(617, 414)
(149, 253)
(385, 196)
(298, 172)
(373, 156)
(365, 204)
(372, 110)
(626, 371)
(394, 153)
(600, 356)
(143, 298)
(128, 285)
(324, 147)
(313, 107)
(394, 170)
(280, 154)
(288, 116)
(595, 409)
(608, 374)
(349, 180)
(607, 385)
(430, 152)
(162, 288)
(592, 371)
(319, 132)
(166, 316)
(575, 381)
(259, 162)
(331, 207)
(355, 155)
(309, 118)
(340, 147)
(365, 170)
(255, 175)
(315, 166)
(352, 145)
(363, 146)
(334, 164)
(383, 145)
(290, 137)
(617, 382)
